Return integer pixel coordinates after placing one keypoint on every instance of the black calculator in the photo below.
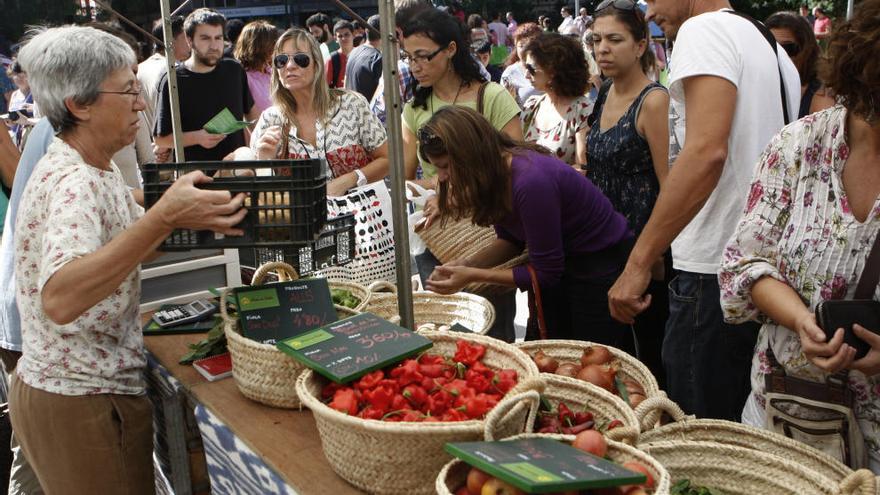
(184, 313)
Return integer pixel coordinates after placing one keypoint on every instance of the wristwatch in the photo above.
(361, 178)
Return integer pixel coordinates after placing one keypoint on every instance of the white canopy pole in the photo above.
(173, 97)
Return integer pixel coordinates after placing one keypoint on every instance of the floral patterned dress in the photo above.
(799, 229)
(560, 139)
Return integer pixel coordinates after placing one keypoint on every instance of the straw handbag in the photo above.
(404, 458)
(571, 350)
(688, 428)
(458, 239)
(262, 372)
(470, 310)
(454, 474)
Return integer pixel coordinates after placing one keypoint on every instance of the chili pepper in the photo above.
(505, 380)
(344, 400)
(439, 402)
(477, 381)
(566, 417)
(453, 415)
(415, 394)
(379, 398)
(399, 402)
(468, 353)
(370, 380)
(574, 430)
(407, 372)
(457, 387)
(370, 412)
(482, 369)
(583, 417)
(412, 416)
(390, 383)
(428, 359)
(475, 407)
(428, 384)
(614, 424)
(432, 370)
(329, 390)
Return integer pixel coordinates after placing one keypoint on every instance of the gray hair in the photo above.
(71, 62)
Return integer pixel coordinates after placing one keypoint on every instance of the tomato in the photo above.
(475, 481)
(591, 441)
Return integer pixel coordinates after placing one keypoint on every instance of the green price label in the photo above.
(258, 299)
(531, 472)
(309, 339)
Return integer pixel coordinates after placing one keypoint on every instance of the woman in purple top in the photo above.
(577, 243)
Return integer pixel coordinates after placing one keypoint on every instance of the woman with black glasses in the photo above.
(577, 243)
(557, 119)
(319, 122)
(628, 143)
(795, 36)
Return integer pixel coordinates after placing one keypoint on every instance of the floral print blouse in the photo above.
(559, 139)
(799, 229)
(70, 209)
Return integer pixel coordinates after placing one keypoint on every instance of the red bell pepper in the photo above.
(407, 372)
(370, 412)
(477, 381)
(416, 395)
(566, 416)
(583, 417)
(345, 400)
(468, 353)
(370, 380)
(453, 415)
(476, 407)
(505, 380)
(379, 398)
(439, 402)
(329, 390)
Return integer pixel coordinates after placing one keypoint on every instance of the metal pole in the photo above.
(393, 108)
(127, 21)
(358, 18)
(178, 9)
(850, 6)
(173, 97)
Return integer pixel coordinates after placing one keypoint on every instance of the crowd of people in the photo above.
(696, 224)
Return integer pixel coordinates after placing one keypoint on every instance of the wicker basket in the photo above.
(404, 458)
(454, 474)
(470, 310)
(571, 350)
(688, 428)
(605, 406)
(458, 239)
(262, 372)
(735, 470)
(284, 273)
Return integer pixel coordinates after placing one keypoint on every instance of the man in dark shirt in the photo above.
(206, 83)
(364, 68)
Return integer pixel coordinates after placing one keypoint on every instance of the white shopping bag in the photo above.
(417, 195)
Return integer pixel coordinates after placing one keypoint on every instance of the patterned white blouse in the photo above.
(70, 209)
(351, 134)
(559, 139)
(799, 229)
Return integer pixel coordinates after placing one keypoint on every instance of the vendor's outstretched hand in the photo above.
(870, 364)
(449, 279)
(627, 298)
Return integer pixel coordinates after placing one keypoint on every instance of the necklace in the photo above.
(460, 85)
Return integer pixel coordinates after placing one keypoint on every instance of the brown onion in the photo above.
(568, 369)
(596, 354)
(599, 375)
(633, 387)
(545, 363)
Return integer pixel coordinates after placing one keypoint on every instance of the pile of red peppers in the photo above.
(430, 388)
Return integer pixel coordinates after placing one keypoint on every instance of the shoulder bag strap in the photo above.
(536, 291)
(480, 93)
(870, 274)
(770, 39)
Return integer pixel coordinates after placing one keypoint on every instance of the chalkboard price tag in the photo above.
(348, 349)
(542, 465)
(270, 313)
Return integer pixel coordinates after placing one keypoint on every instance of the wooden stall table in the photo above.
(249, 447)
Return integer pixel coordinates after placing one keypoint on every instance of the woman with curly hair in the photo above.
(809, 224)
(794, 35)
(514, 76)
(253, 50)
(557, 120)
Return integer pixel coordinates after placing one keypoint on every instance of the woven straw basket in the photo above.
(735, 470)
(571, 350)
(404, 458)
(688, 428)
(579, 395)
(458, 239)
(262, 372)
(454, 474)
(470, 310)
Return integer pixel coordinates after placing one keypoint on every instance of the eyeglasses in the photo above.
(302, 60)
(791, 48)
(134, 91)
(531, 69)
(420, 59)
(625, 5)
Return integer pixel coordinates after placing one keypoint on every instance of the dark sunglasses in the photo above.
(617, 4)
(531, 69)
(301, 59)
(428, 138)
(791, 48)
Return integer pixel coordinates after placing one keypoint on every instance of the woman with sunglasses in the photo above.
(627, 146)
(514, 76)
(577, 243)
(557, 120)
(334, 124)
(794, 35)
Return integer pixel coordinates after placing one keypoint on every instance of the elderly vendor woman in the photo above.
(77, 401)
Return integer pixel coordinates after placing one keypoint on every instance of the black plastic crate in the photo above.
(334, 247)
(288, 207)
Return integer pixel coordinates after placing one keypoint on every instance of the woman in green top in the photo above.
(447, 74)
